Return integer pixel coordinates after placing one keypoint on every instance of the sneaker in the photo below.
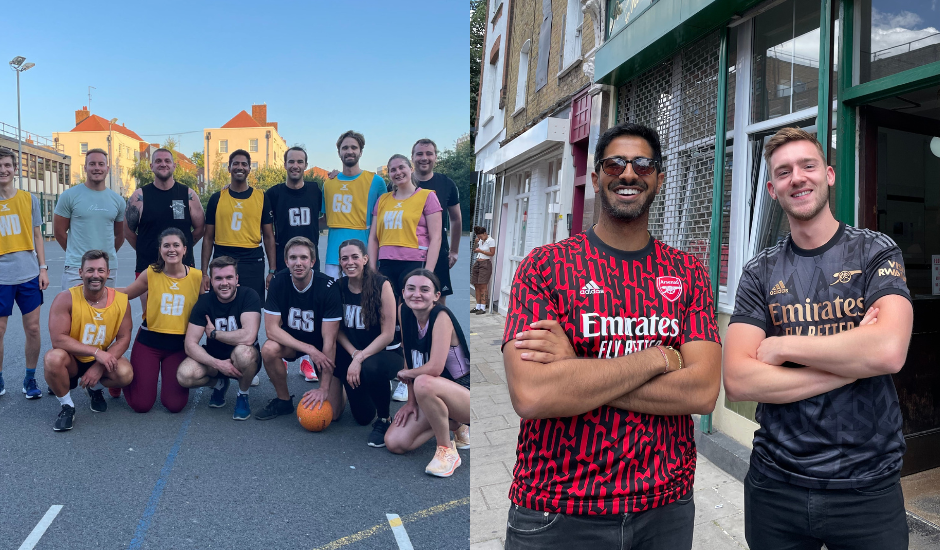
(286, 365)
(306, 369)
(3, 389)
(445, 461)
(462, 437)
(474, 310)
(64, 421)
(98, 404)
(218, 395)
(255, 381)
(114, 392)
(275, 408)
(480, 312)
(377, 437)
(31, 390)
(242, 408)
(401, 392)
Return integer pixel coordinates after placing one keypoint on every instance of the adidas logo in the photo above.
(591, 288)
(779, 288)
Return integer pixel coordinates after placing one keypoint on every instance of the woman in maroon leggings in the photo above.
(173, 289)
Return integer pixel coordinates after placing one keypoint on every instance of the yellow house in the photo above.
(94, 132)
(253, 133)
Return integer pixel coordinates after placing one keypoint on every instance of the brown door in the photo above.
(900, 197)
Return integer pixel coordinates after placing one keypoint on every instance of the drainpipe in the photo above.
(267, 147)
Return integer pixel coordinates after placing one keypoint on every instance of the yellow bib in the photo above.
(16, 223)
(238, 221)
(346, 202)
(397, 220)
(93, 326)
(169, 300)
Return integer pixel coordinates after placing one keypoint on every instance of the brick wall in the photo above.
(526, 21)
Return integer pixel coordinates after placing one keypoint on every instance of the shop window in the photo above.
(621, 13)
(894, 37)
(785, 61)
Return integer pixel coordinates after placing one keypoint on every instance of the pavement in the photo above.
(198, 479)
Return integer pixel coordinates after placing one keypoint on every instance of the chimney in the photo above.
(260, 114)
(273, 125)
(81, 115)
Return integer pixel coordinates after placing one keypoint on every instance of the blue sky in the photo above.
(395, 71)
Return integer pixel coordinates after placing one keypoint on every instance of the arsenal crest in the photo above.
(669, 287)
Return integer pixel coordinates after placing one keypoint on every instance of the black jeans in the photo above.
(666, 528)
(781, 516)
(373, 396)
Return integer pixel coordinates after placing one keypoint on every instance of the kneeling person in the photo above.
(230, 317)
(90, 326)
(301, 315)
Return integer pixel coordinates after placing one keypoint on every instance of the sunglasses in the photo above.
(614, 166)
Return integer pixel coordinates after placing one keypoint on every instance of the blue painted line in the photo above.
(144, 524)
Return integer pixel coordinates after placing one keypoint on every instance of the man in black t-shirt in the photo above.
(424, 157)
(301, 316)
(295, 206)
(229, 316)
(821, 321)
(238, 220)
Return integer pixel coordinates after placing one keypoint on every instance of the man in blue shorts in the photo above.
(23, 270)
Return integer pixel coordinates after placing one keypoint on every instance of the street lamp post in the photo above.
(110, 153)
(18, 65)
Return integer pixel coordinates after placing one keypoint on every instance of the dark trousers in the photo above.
(396, 270)
(373, 395)
(149, 365)
(665, 528)
(781, 516)
(251, 274)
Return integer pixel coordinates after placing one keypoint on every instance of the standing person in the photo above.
(424, 157)
(610, 332)
(238, 220)
(821, 321)
(301, 315)
(438, 368)
(367, 357)
(90, 326)
(482, 268)
(23, 271)
(172, 289)
(296, 208)
(348, 200)
(229, 317)
(89, 217)
(406, 232)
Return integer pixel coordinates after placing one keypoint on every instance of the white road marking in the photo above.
(41, 527)
(401, 536)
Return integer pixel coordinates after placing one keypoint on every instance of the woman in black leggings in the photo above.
(363, 361)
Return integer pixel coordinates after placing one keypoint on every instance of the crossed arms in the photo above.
(878, 346)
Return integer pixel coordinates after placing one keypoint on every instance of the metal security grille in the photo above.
(678, 98)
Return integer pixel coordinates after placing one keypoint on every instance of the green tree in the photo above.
(267, 177)
(141, 171)
(218, 179)
(458, 165)
(477, 44)
(198, 158)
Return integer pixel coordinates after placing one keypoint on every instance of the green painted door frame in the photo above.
(846, 119)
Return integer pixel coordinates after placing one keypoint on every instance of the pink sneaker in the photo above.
(306, 369)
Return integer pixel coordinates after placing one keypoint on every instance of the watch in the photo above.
(212, 334)
(44, 267)
(271, 272)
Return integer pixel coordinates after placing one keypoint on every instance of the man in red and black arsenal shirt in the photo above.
(610, 344)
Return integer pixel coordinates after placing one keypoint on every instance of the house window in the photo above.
(252, 146)
(84, 147)
(254, 165)
(574, 19)
(523, 76)
(223, 146)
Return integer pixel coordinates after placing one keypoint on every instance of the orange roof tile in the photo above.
(242, 120)
(95, 123)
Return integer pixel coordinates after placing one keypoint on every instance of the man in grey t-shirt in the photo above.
(22, 278)
(89, 217)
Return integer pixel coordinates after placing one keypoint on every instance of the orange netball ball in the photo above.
(315, 419)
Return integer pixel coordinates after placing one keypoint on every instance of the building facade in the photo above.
(535, 91)
(45, 171)
(94, 132)
(252, 133)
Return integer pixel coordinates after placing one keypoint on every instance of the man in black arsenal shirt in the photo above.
(821, 321)
(610, 345)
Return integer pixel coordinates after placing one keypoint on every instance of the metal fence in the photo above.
(678, 98)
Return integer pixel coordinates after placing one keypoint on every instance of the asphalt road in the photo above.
(198, 479)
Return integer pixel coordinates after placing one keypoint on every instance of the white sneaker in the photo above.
(401, 392)
(255, 381)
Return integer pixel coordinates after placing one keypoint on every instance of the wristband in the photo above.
(679, 355)
(95, 355)
(666, 359)
(271, 272)
(212, 334)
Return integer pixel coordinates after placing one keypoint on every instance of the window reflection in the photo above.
(896, 35)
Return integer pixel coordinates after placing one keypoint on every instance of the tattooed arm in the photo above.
(135, 207)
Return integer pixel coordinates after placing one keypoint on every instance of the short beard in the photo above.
(817, 208)
(349, 164)
(628, 213)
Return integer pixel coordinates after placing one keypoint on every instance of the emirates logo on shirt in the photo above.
(670, 287)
